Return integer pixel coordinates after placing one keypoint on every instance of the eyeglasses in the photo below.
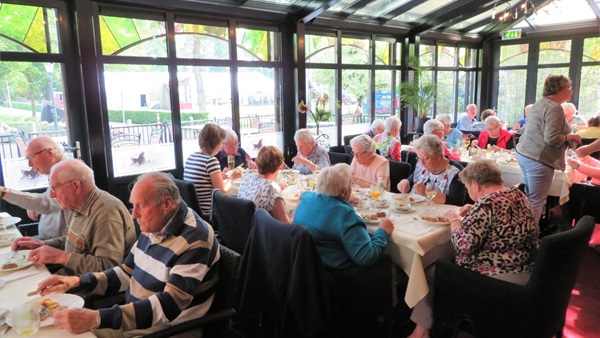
(426, 159)
(359, 154)
(230, 144)
(55, 187)
(493, 128)
(32, 157)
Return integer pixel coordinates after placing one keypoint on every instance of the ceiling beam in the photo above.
(446, 13)
(310, 13)
(400, 10)
(595, 9)
(355, 7)
(464, 17)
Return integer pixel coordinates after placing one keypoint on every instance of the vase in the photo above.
(323, 141)
(419, 122)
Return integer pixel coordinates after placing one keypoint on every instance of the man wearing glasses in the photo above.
(100, 228)
(42, 153)
(231, 148)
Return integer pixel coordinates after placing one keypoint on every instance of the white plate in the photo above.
(18, 257)
(404, 211)
(6, 239)
(289, 171)
(66, 299)
(423, 216)
(411, 198)
(362, 213)
(6, 221)
(382, 204)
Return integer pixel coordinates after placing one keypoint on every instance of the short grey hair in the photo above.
(332, 180)
(570, 106)
(492, 121)
(231, 135)
(430, 125)
(392, 122)
(430, 144)
(364, 142)
(484, 172)
(73, 169)
(445, 119)
(163, 186)
(46, 142)
(377, 124)
(304, 135)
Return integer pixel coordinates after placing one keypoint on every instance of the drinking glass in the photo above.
(430, 194)
(375, 191)
(231, 162)
(26, 319)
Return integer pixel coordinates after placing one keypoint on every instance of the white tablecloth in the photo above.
(14, 293)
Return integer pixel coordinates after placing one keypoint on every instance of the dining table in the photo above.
(18, 283)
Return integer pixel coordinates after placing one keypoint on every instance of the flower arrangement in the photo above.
(321, 113)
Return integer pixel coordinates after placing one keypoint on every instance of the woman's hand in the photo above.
(387, 225)
(464, 209)
(496, 148)
(574, 138)
(404, 186)
(235, 174)
(420, 189)
(573, 164)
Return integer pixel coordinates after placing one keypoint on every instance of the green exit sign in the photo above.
(511, 34)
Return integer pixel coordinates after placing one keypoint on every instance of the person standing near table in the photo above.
(310, 156)
(101, 231)
(542, 147)
(42, 153)
(170, 275)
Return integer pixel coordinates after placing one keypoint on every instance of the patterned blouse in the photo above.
(498, 235)
(318, 156)
(446, 182)
(388, 146)
(262, 192)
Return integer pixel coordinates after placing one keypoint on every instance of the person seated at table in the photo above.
(42, 153)
(593, 129)
(494, 135)
(387, 142)
(468, 119)
(231, 148)
(203, 169)
(585, 164)
(451, 135)
(434, 172)
(170, 275)
(518, 127)
(261, 188)
(435, 127)
(575, 121)
(100, 229)
(367, 166)
(497, 236)
(377, 127)
(480, 126)
(340, 233)
(310, 156)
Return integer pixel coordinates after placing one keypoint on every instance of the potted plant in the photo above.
(321, 112)
(418, 94)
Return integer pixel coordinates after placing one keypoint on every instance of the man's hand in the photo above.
(300, 160)
(47, 254)
(26, 243)
(56, 283)
(76, 320)
(34, 216)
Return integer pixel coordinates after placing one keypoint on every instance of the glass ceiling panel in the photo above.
(340, 6)
(280, 2)
(379, 7)
(560, 12)
(428, 7)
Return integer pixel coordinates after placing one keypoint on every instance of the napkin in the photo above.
(416, 229)
(20, 274)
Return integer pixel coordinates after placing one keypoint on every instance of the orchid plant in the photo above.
(321, 113)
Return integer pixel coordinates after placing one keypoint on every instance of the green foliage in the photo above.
(419, 93)
(151, 116)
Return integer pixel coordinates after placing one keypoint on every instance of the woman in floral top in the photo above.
(261, 188)
(388, 143)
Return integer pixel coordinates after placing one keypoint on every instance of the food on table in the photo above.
(15, 261)
(373, 216)
(434, 219)
(9, 266)
(50, 307)
(408, 198)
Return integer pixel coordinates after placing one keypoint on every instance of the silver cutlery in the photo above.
(32, 293)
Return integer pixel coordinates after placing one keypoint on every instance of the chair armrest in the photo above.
(28, 229)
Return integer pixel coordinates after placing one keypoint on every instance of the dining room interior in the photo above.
(128, 86)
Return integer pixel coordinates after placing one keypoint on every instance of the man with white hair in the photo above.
(42, 153)
(575, 121)
(100, 228)
(231, 147)
(451, 135)
(377, 127)
(310, 156)
(466, 121)
(388, 143)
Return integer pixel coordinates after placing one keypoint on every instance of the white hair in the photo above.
(445, 119)
(430, 144)
(392, 122)
(332, 180)
(304, 135)
(492, 121)
(430, 125)
(569, 106)
(377, 124)
(364, 142)
(230, 134)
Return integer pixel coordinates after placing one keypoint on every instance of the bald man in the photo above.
(42, 153)
(100, 228)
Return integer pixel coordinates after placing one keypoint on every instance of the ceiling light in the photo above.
(525, 8)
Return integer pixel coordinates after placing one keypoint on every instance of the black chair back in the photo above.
(472, 134)
(187, 190)
(409, 157)
(398, 172)
(232, 217)
(335, 158)
(589, 140)
(347, 139)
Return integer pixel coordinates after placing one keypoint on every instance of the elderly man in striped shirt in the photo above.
(170, 273)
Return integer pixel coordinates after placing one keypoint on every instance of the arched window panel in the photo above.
(258, 45)
(139, 114)
(511, 96)
(427, 56)
(588, 91)
(467, 57)
(552, 52)
(514, 55)
(195, 41)
(320, 49)
(383, 52)
(591, 49)
(355, 51)
(542, 73)
(28, 29)
(446, 56)
(132, 37)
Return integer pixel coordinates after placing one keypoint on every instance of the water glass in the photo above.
(26, 319)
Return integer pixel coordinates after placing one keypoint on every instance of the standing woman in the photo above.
(541, 148)
(203, 169)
